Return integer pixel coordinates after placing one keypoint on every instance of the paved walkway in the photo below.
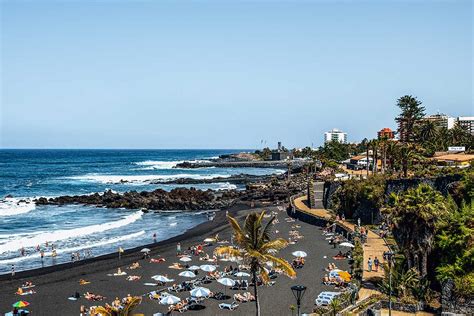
(374, 247)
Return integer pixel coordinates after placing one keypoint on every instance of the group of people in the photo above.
(298, 262)
(373, 264)
(76, 256)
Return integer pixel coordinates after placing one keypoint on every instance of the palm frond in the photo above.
(283, 265)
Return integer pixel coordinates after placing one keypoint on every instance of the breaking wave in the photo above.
(72, 249)
(141, 179)
(13, 206)
(16, 244)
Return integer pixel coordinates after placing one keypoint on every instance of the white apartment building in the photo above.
(442, 120)
(467, 122)
(335, 135)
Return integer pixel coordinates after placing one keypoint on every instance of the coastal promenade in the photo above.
(375, 246)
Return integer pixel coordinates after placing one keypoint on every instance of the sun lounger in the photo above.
(230, 306)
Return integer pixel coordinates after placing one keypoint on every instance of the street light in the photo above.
(298, 292)
(389, 256)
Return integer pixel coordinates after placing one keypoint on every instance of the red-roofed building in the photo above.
(385, 133)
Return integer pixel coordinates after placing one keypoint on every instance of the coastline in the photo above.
(54, 286)
(130, 255)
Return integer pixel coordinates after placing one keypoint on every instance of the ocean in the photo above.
(27, 174)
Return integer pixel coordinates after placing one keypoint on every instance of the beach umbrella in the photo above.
(226, 281)
(208, 268)
(346, 244)
(193, 268)
(185, 259)
(200, 292)
(161, 278)
(187, 274)
(345, 275)
(242, 274)
(300, 254)
(145, 250)
(21, 304)
(170, 300)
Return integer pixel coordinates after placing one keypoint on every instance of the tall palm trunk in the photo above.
(367, 160)
(255, 291)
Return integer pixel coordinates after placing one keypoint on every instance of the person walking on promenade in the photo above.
(369, 263)
(376, 264)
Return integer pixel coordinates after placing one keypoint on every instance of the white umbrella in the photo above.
(192, 268)
(200, 292)
(346, 244)
(226, 281)
(161, 278)
(145, 250)
(185, 259)
(300, 254)
(242, 274)
(208, 268)
(169, 300)
(187, 274)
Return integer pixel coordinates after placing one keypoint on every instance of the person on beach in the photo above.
(42, 254)
(83, 311)
(369, 264)
(178, 249)
(376, 264)
(13, 270)
(154, 237)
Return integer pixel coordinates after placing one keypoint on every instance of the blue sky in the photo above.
(224, 74)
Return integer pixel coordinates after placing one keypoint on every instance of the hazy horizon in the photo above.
(214, 75)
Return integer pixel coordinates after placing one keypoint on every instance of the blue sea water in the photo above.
(26, 174)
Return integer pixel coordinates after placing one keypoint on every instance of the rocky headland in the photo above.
(276, 188)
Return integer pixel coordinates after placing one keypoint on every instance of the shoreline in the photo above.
(130, 255)
(55, 285)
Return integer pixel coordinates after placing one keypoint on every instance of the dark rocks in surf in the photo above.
(176, 199)
(276, 188)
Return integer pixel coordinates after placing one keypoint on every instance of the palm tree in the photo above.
(407, 154)
(428, 131)
(335, 306)
(256, 248)
(125, 311)
(457, 135)
(415, 215)
(403, 280)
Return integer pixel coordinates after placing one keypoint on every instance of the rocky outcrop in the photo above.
(455, 303)
(295, 166)
(370, 215)
(176, 199)
(237, 179)
(274, 189)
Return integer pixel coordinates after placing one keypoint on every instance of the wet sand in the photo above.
(55, 284)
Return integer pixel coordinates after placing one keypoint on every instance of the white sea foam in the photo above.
(158, 164)
(64, 234)
(140, 179)
(13, 206)
(227, 186)
(76, 248)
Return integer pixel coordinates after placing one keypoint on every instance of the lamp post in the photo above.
(389, 256)
(298, 292)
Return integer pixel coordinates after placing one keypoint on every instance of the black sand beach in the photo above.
(55, 284)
